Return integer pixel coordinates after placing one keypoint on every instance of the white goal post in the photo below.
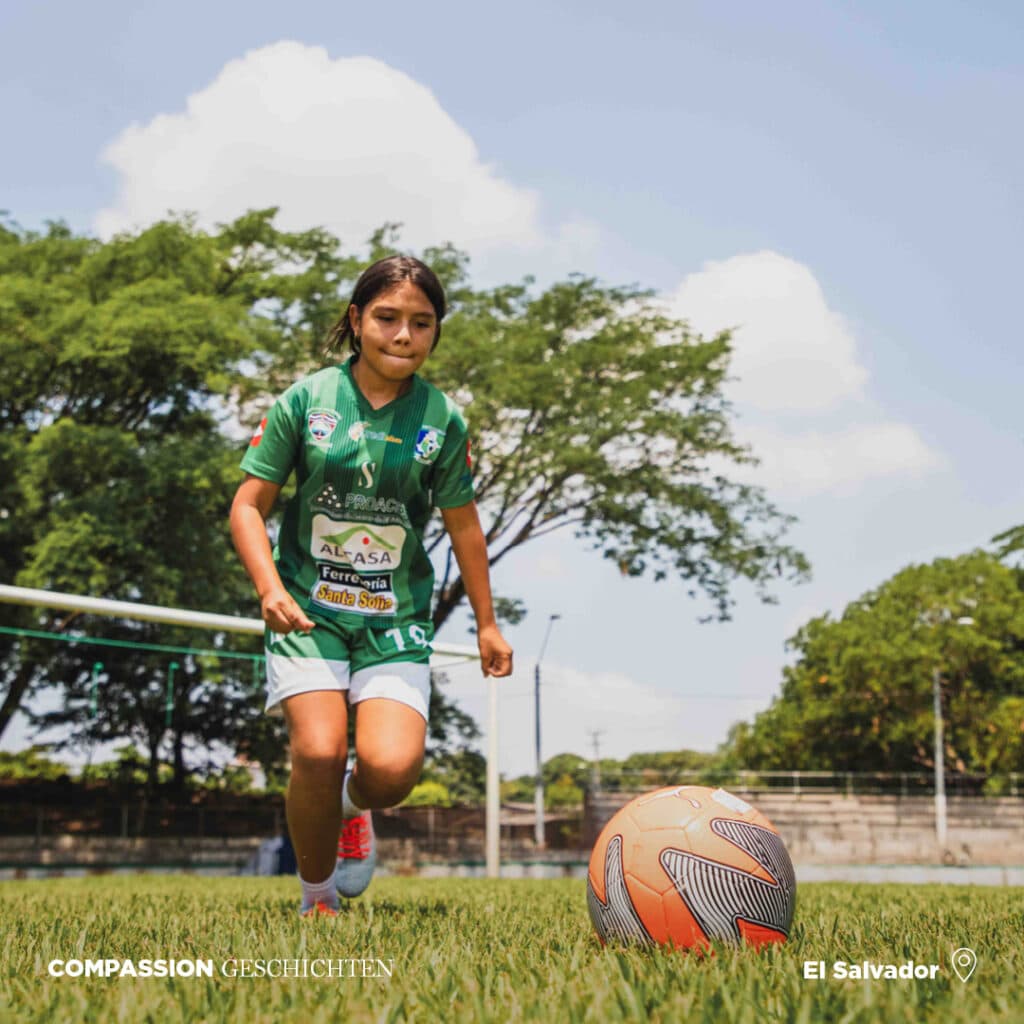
(443, 656)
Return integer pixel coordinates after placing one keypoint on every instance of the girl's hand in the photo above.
(282, 614)
(495, 653)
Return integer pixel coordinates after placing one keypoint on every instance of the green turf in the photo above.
(470, 950)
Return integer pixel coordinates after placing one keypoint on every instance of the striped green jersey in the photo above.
(351, 543)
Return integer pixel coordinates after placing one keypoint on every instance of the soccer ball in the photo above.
(685, 865)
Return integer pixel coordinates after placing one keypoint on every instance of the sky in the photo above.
(842, 184)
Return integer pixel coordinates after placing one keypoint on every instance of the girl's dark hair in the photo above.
(377, 278)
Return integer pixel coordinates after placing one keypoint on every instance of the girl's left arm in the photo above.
(467, 538)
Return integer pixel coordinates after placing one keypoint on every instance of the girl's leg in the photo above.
(317, 725)
(390, 739)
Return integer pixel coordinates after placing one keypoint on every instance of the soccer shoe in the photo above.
(357, 855)
(319, 909)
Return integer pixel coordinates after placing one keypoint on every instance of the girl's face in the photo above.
(397, 330)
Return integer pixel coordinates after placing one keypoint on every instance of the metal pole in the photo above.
(169, 698)
(538, 788)
(492, 820)
(538, 793)
(595, 771)
(94, 703)
(940, 766)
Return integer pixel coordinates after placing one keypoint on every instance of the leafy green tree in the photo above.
(592, 411)
(452, 760)
(859, 695)
(123, 361)
(1010, 542)
(31, 763)
(128, 770)
(129, 362)
(428, 793)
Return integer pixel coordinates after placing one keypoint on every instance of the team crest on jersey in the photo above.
(428, 444)
(321, 425)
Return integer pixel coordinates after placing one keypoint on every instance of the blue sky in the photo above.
(844, 182)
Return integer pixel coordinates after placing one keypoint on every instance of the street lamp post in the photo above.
(940, 745)
(940, 762)
(538, 793)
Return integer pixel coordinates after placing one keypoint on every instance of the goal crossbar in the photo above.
(444, 654)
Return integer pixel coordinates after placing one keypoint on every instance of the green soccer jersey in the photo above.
(351, 544)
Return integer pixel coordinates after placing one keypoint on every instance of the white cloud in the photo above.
(839, 461)
(791, 352)
(795, 362)
(347, 143)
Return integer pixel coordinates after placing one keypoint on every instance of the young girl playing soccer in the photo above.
(346, 594)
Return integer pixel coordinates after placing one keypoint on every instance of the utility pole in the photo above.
(932, 620)
(595, 735)
(940, 759)
(538, 793)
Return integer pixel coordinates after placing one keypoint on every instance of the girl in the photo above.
(346, 593)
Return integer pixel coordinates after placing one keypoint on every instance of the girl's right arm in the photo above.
(253, 502)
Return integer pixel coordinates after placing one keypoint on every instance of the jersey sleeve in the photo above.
(453, 471)
(275, 447)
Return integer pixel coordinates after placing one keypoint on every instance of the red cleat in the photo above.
(357, 855)
(320, 909)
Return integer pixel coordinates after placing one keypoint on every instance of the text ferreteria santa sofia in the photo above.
(233, 967)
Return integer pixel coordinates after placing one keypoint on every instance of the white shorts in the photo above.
(406, 682)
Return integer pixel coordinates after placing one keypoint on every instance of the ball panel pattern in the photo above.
(685, 865)
(613, 913)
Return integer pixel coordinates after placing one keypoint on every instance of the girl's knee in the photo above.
(388, 780)
(318, 756)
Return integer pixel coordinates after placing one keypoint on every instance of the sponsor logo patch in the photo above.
(350, 591)
(428, 444)
(361, 429)
(321, 423)
(365, 547)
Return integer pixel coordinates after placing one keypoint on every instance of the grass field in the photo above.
(474, 950)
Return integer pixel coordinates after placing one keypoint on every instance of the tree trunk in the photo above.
(19, 684)
(22, 679)
(447, 601)
(178, 782)
(153, 768)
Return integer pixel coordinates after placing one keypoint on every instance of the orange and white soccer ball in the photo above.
(686, 865)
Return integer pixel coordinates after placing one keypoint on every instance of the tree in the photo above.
(1009, 542)
(122, 362)
(593, 411)
(452, 760)
(859, 696)
(128, 364)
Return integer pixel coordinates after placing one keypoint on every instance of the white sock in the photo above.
(319, 892)
(349, 809)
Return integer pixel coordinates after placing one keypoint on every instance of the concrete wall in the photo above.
(818, 829)
(825, 828)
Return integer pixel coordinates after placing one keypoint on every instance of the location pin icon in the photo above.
(964, 961)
